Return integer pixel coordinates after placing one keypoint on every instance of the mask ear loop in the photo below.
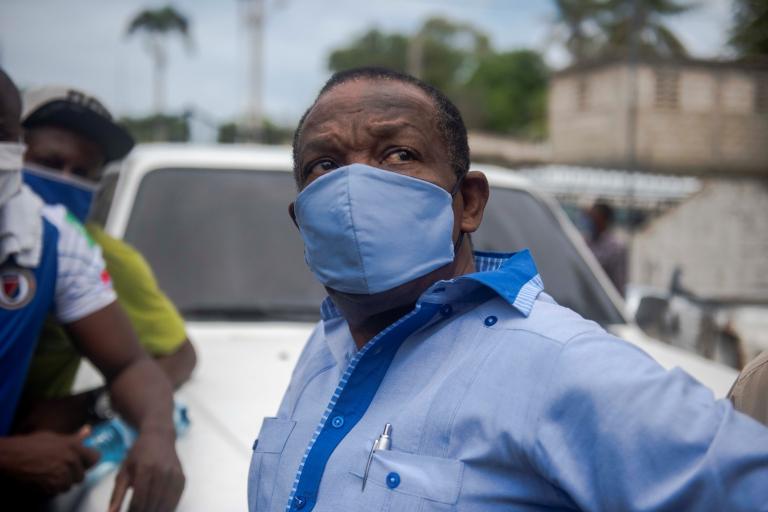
(457, 185)
(454, 190)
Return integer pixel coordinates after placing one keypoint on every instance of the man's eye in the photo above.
(399, 156)
(321, 167)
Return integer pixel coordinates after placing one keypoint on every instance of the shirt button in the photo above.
(490, 320)
(446, 310)
(393, 480)
(299, 502)
(337, 421)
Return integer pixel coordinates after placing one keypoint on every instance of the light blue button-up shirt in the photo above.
(500, 399)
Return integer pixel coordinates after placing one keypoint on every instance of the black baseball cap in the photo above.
(77, 111)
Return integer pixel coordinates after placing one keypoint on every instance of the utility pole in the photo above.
(631, 128)
(632, 57)
(415, 54)
(253, 14)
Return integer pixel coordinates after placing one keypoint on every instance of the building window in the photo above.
(667, 85)
(761, 92)
(582, 94)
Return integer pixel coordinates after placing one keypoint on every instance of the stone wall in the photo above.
(718, 237)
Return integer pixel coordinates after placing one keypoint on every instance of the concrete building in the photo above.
(683, 116)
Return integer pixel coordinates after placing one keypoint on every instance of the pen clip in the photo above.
(368, 464)
(383, 442)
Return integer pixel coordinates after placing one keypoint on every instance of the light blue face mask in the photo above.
(55, 188)
(367, 230)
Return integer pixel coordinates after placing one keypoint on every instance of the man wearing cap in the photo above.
(70, 137)
(47, 265)
(442, 380)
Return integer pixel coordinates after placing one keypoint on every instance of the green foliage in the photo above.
(373, 48)
(576, 25)
(643, 19)
(442, 52)
(157, 128)
(496, 92)
(271, 133)
(512, 89)
(445, 53)
(159, 21)
(155, 27)
(227, 133)
(749, 32)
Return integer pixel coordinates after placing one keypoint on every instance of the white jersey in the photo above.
(83, 285)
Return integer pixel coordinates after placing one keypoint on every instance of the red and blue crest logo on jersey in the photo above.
(17, 287)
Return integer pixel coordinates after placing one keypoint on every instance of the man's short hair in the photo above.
(449, 122)
(605, 210)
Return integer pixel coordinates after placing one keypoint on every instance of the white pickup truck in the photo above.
(213, 223)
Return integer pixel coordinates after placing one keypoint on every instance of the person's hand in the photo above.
(46, 462)
(153, 470)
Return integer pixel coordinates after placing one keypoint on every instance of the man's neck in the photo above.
(365, 330)
(368, 315)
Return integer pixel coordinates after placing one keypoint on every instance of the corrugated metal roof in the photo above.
(619, 186)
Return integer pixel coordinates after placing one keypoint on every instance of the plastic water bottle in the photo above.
(113, 438)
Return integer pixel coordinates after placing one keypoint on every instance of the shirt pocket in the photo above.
(267, 450)
(405, 482)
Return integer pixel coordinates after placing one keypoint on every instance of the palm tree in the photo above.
(157, 25)
(638, 27)
(576, 26)
(749, 31)
(599, 28)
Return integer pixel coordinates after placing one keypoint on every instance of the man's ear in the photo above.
(292, 213)
(474, 193)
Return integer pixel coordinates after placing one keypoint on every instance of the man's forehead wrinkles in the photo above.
(392, 125)
(357, 117)
(319, 141)
(374, 119)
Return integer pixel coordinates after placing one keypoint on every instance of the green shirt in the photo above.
(157, 323)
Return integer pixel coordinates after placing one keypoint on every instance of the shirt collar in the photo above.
(511, 276)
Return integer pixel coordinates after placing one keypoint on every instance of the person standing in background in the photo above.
(48, 266)
(70, 138)
(608, 248)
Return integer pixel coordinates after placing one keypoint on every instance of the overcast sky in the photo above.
(82, 43)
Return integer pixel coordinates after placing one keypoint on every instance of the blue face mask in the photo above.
(55, 188)
(368, 230)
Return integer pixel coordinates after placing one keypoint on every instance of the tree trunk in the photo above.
(159, 85)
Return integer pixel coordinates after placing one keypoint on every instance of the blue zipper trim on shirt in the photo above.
(353, 395)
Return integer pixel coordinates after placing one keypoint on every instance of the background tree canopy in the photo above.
(592, 29)
(749, 32)
(496, 92)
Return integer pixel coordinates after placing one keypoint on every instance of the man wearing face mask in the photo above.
(47, 265)
(70, 137)
(439, 379)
